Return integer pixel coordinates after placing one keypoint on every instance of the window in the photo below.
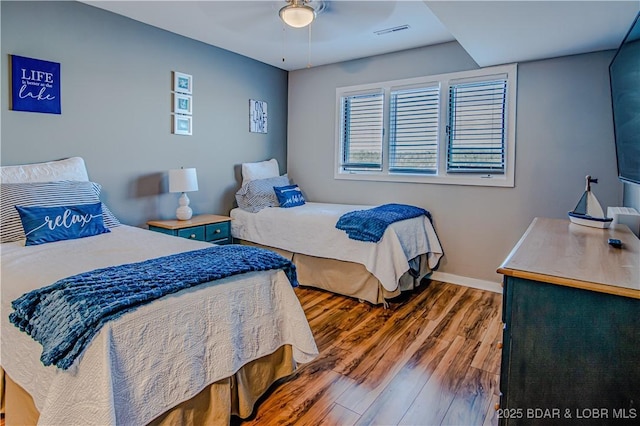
(362, 131)
(454, 128)
(475, 133)
(413, 134)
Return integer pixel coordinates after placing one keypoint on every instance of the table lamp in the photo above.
(183, 180)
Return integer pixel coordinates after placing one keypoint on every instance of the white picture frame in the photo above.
(182, 83)
(182, 124)
(257, 116)
(182, 104)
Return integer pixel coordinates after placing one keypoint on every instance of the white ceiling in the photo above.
(492, 32)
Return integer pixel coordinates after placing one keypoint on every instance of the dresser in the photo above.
(206, 227)
(571, 339)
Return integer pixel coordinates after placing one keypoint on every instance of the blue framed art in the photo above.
(35, 85)
(182, 82)
(182, 124)
(182, 104)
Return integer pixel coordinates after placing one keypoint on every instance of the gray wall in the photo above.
(564, 131)
(116, 79)
(116, 104)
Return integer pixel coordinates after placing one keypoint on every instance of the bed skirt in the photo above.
(347, 278)
(214, 405)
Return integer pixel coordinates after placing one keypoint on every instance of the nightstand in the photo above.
(206, 227)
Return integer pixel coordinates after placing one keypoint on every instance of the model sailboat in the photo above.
(588, 211)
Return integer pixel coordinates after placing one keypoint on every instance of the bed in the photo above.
(193, 357)
(326, 257)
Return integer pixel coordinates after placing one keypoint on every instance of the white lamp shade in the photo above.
(183, 180)
(297, 14)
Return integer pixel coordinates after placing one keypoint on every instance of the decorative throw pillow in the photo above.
(45, 194)
(259, 194)
(289, 196)
(259, 170)
(48, 224)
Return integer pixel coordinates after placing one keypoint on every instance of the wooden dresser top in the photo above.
(557, 251)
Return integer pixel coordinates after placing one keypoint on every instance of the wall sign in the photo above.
(35, 85)
(257, 116)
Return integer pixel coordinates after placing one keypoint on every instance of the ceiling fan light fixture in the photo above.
(297, 14)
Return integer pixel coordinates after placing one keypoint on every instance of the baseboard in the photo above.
(466, 281)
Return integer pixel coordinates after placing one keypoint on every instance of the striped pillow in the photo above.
(45, 194)
(257, 194)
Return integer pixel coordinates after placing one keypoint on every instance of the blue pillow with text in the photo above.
(289, 196)
(48, 224)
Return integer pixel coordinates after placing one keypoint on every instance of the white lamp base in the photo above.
(184, 212)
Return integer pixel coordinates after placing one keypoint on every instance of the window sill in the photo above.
(453, 179)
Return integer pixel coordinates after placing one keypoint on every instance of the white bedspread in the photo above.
(157, 356)
(311, 229)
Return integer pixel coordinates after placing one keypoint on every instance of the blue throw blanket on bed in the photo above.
(66, 315)
(370, 225)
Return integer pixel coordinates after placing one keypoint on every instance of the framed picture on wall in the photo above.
(35, 85)
(182, 124)
(257, 116)
(182, 104)
(182, 83)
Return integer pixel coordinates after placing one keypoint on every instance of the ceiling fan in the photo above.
(332, 20)
(297, 13)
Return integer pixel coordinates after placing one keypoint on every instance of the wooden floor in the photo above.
(431, 359)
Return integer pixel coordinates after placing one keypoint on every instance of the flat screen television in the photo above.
(624, 74)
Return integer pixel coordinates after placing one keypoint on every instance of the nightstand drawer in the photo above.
(194, 233)
(217, 231)
(211, 228)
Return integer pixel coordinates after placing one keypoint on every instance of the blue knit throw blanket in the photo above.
(66, 315)
(370, 225)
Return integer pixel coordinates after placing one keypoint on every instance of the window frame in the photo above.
(364, 166)
(507, 179)
(425, 87)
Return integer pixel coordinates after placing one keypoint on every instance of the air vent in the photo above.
(392, 30)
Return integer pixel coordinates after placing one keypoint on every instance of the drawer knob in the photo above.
(217, 231)
(192, 236)
(500, 345)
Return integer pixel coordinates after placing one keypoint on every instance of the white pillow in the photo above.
(68, 169)
(259, 170)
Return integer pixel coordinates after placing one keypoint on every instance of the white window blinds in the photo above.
(413, 138)
(362, 131)
(456, 128)
(476, 130)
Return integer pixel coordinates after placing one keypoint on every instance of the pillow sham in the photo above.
(260, 170)
(52, 171)
(259, 194)
(45, 194)
(48, 224)
(289, 196)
